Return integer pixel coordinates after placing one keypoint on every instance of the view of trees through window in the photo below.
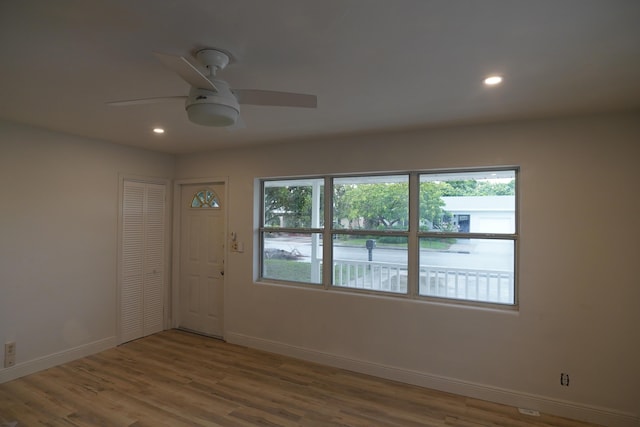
(465, 235)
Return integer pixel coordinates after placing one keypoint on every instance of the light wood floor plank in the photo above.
(180, 379)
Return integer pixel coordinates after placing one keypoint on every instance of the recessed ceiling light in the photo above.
(493, 80)
(158, 130)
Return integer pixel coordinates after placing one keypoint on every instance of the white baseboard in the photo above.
(45, 362)
(577, 411)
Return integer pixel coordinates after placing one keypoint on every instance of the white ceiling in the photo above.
(374, 65)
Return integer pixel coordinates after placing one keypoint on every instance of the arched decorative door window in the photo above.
(205, 199)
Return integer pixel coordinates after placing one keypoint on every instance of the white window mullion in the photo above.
(327, 252)
(413, 263)
(315, 223)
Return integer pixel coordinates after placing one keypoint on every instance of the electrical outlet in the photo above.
(10, 348)
(9, 360)
(564, 379)
(9, 354)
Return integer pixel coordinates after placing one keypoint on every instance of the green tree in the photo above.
(458, 188)
(292, 203)
(342, 207)
(377, 205)
(472, 187)
(432, 214)
(386, 206)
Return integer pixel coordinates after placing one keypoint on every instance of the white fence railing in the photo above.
(468, 284)
(376, 276)
(495, 286)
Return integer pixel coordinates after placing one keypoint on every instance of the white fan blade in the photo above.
(147, 101)
(185, 69)
(274, 98)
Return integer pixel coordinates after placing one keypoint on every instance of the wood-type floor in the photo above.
(178, 379)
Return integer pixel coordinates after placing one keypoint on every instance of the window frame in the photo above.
(262, 229)
(369, 232)
(327, 231)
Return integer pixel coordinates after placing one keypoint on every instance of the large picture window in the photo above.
(433, 235)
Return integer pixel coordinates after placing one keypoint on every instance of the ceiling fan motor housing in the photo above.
(213, 59)
(209, 108)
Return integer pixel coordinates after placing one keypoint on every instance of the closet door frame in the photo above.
(166, 292)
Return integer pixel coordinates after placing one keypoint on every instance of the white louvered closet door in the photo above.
(143, 260)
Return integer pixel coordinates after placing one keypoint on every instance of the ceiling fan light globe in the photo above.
(209, 108)
(212, 114)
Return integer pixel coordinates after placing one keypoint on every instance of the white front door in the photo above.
(202, 238)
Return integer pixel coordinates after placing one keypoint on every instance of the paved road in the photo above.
(474, 254)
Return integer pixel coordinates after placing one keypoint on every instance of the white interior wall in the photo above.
(579, 290)
(579, 287)
(58, 241)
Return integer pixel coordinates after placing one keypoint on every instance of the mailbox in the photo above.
(370, 244)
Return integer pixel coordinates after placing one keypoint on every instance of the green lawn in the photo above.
(295, 271)
(287, 270)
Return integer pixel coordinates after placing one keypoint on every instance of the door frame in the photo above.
(167, 246)
(177, 234)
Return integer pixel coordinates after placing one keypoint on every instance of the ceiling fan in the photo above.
(211, 101)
